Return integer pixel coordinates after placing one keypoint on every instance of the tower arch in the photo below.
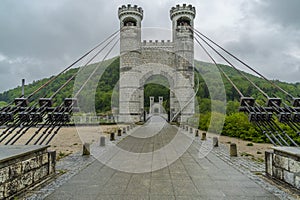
(140, 60)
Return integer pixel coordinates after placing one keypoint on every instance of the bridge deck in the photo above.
(189, 177)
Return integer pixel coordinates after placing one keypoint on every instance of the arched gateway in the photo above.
(141, 60)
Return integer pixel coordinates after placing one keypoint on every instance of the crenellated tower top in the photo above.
(130, 10)
(183, 10)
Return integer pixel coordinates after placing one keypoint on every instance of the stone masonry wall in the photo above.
(284, 164)
(24, 171)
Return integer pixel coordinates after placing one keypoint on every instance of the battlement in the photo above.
(184, 9)
(129, 9)
(158, 44)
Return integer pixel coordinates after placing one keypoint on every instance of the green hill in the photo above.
(110, 78)
(210, 89)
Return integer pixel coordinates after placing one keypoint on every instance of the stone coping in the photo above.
(10, 152)
(293, 151)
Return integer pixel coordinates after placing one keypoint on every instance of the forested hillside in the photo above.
(111, 76)
(209, 88)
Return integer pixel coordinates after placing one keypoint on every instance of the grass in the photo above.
(246, 154)
(62, 155)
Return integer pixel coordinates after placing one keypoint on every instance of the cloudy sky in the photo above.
(39, 38)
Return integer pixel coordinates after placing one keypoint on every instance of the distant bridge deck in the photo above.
(189, 177)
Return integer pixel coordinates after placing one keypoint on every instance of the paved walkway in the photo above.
(189, 177)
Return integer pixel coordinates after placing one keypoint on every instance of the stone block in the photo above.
(294, 166)
(215, 142)
(280, 161)
(11, 188)
(27, 179)
(297, 180)
(269, 162)
(52, 161)
(277, 173)
(4, 174)
(86, 149)
(30, 164)
(289, 177)
(15, 170)
(2, 189)
(233, 150)
(196, 133)
(119, 132)
(44, 158)
(203, 136)
(112, 136)
(40, 173)
(102, 141)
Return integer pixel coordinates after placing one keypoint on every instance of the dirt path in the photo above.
(245, 148)
(70, 139)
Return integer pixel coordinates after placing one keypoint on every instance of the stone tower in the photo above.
(130, 42)
(140, 60)
(183, 42)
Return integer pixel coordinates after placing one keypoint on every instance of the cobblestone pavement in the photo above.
(194, 175)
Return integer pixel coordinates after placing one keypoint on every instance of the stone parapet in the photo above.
(283, 163)
(22, 167)
(157, 44)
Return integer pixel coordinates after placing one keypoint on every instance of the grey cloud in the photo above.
(286, 13)
(49, 35)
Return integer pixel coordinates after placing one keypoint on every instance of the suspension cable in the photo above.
(55, 77)
(96, 68)
(230, 81)
(239, 60)
(258, 88)
(72, 77)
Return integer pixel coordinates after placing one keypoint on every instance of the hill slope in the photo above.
(110, 77)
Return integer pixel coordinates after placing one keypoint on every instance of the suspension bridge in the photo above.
(35, 110)
(38, 111)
